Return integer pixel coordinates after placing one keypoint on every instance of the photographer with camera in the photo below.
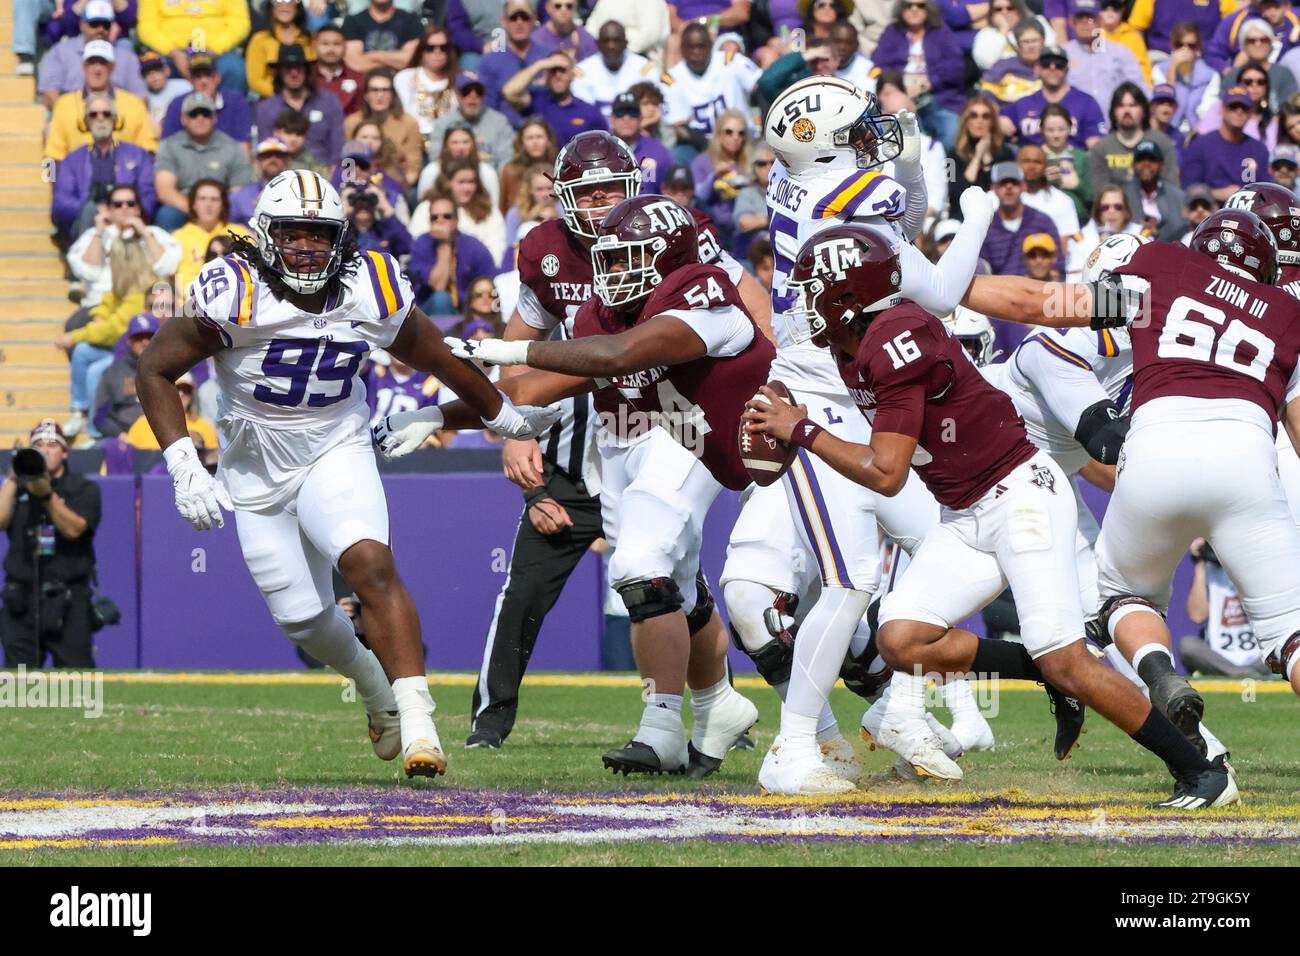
(374, 220)
(1226, 645)
(51, 515)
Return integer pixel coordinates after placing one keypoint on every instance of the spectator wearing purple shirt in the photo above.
(1023, 119)
(555, 103)
(374, 221)
(60, 68)
(66, 25)
(83, 180)
(1227, 158)
(446, 262)
(1224, 49)
(272, 158)
(294, 90)
(393, 387)
(561, 33)
(1015, 222)
(936, 76)
(651, 155)
(234, 118)
(496, 69)
(470, 24)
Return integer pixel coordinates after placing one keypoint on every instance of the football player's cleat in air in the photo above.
(1179, 701)
(744, 742)
(1215, 787)
(797, 770)
(385, 729)
(424, 758)
(1069, 714)
(637, 757)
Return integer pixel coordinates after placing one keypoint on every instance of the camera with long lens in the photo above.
(29, 465)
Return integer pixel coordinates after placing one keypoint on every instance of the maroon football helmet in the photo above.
(843, 272)
(1278, 207)
(641, 242)
(1240, 242)
(590, 158)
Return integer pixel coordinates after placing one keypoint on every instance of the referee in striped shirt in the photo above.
(561, 519)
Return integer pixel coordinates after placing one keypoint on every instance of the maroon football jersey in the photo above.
(698, 402)
(556, 264)
(1206, 332)
(911, 377)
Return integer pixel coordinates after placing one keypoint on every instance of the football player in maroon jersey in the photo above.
(674, 355)
(1008, 514)
(1215, 349)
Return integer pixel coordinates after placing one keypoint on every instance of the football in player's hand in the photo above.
(764, 457)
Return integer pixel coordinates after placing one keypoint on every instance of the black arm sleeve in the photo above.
(1101, 431)
(1113, 305)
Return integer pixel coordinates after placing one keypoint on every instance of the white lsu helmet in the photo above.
(1111, 253)
(298, 197)
(824, 122)
(974, 331)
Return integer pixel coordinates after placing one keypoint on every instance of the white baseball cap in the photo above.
(99, 50)
(98, 10)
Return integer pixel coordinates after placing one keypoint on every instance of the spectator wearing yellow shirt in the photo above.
(288, 26)
(202, 432)
(175, 27)
(68, 130)
(1116, 30)
(209, 216)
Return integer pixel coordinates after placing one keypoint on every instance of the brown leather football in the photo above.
(764, 457)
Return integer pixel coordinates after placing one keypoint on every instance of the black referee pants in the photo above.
(539, 567)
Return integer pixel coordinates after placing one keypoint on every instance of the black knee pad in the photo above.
(773, 660)
(700, 615)
(1111, 605)
(650, 598)
(1277, 661)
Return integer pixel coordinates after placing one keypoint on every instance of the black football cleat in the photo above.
(1214, 787)
(743, 742)
(637, 757)
(700, 764)
(1179, 701)
(1069, 714)
(484, 738)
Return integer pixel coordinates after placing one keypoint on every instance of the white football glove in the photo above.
(199, 496)
(911, 154)
(977, 206)
(490, 351)
(524, 421)
(402, 432)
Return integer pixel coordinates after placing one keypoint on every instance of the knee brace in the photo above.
(1095, 630)
(1115, 609)
(773, 660)
(1279, 661)
(860, 672)
(650, 598)
(702, 613)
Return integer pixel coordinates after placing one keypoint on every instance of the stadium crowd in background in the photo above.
(1084, 118)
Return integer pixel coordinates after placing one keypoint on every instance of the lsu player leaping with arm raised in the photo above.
(832, 143)
(289, 319)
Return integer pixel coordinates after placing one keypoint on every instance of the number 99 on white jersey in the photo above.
(284, 366)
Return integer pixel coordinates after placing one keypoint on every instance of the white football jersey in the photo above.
(798, 209)
(289, 388)
(1055, 374)
(594, 83)
(726, 84)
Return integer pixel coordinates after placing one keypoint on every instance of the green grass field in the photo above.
(216, 772)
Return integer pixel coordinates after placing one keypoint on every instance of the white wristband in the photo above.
(508, 414)
(179, 453)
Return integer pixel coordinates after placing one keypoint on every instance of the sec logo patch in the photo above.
(550, 266)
